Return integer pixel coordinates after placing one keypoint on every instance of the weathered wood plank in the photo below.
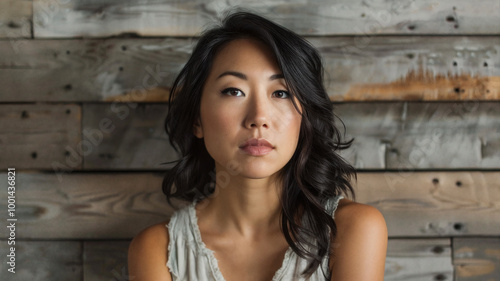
(15, 19)
(476, 258)
(142, 70)
(426, 135)
(434, 203)
(77, 18)
(126, 136)
(86, 206)
(40, 136)
(418, 259)
(119, 205)
(44, 260)
(106, 260)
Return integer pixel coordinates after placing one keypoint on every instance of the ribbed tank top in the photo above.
(190, 260)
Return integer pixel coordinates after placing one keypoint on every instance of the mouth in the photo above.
(257, 147)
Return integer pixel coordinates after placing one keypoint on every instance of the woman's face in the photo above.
(245, 97)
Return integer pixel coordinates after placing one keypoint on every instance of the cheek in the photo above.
(218, 121)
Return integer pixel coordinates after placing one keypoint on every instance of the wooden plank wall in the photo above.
(82, 105)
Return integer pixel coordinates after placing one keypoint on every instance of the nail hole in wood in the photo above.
(121, 68)
(487, 91)
(454, 63)
(458, 226)
(33, 155)
(457, 90)
(455, 26)
(12, 24)
(437, 250)
(363, 15)
(485, 64)
(411, 27)
(459, 183)
(68, 52)
(440, 277)
(410, 56)
(68, 87)
(450, 18)
(124, 48)
(435, 181)
(24, 114)
(66, 153)
(68, 111)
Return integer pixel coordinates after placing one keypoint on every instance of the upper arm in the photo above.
(147, 255)
(360, 246)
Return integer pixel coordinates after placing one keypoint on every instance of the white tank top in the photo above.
(190, 260)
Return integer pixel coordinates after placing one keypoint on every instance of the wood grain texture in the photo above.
(423, 135)
(418, 259)
(90, 70)
(40, 136)
(15, 20)
(476, 259)
(143, 70)
(44, 260)
(77, 18)
(417, 204)
(106, 260)
(86, 206)
(119, 205)
(126, 136)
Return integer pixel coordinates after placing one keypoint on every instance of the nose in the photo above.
(258, 112)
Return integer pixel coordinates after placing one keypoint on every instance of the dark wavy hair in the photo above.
(314, 174)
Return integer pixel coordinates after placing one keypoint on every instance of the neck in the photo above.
(247, 207)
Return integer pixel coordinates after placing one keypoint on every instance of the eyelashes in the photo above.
(235, 92)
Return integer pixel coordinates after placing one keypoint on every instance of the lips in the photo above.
(257, 147)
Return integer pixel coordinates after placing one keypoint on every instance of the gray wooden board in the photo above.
(434, 203)
(422, 135)
(126, 136)
(119, 205)
(85, 206)
(75, 18)
(88, 70)
(40, 136)
(106, 260)
(43, 260)
(15, 19)
(477, 259)
(407, 136)
(418, 260)
(142, 70)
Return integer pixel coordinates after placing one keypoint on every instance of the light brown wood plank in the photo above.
(44, 260)
(15, 20)
(40, 136)
(143, 70)
(417, 204)
(106, 260)
(186, 18)
(126, 136)
(119, 205)
(423, 135)
(418, 259)
(86, 206)
(476, 258)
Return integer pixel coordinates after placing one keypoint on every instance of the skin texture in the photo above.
(240, 222)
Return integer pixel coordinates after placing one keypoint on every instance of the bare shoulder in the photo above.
(147, 254)
(350, 215)
(360, 243)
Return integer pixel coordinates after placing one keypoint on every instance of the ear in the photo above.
(197, 129)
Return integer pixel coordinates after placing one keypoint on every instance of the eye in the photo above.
(232, 92)
(281, 94)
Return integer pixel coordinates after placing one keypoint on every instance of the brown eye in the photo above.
(232, 92)
(281, 94)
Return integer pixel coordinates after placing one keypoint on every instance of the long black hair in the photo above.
(314, 174)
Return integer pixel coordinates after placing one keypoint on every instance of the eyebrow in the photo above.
(244, 77)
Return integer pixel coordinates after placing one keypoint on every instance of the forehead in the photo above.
(245, 52)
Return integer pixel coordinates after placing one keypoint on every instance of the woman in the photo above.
(259, 169)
